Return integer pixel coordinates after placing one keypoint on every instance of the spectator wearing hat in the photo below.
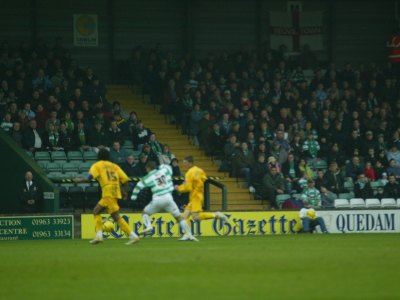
(272, 185)
(273, 163)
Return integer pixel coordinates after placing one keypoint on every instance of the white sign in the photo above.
(361, 221)
(85, 30)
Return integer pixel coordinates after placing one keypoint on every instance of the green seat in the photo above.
(70, 175)
(74, 156)
(347, 196)
(55, 175)
(376, 184)
(321, 164)
(42, 155)
(70, 167)
(58, 155)
(53, 167)
(349, 185)
(43, 164)
(281, 198)
(84, 167)
(89, 155)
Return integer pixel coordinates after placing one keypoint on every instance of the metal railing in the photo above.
(224, 195)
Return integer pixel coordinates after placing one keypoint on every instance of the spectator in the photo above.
(392, 188)
(156, 147)
(16, 133)
(394, 169)
(354, 168)
(65, 138)
(319, 181)
(369, 171)
(279, 153)
(204, 126)
(129, 167)
(140, 136)
(118, 155)
(32, 140)
(362, 187)
(327, 198)
(311, 146)
(273, 185)
(114, 132)
(291, 173)
(305, 169)
(242, 163)
(30, 195)
(99, 138)
(216, 141)
(195, 117)
(141, 165)
(394, 153)
(166, 156)
(81, 137)
(176, 171)
(258, 171)
(311, 196)
(229, 152)
(333, 179)
(6, 124)
(273, 163)
(52, 139)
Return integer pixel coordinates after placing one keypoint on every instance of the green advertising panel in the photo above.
(37, 228)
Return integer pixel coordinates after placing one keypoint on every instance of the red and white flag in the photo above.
(296, 29)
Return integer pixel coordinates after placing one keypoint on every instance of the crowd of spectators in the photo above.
(261, 113)
(49, 103)
(274, 124)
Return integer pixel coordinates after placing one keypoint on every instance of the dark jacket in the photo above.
(31, 193)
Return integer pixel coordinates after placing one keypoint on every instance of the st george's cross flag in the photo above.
(296, 29)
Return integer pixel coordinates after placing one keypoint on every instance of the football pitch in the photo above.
(352, 266)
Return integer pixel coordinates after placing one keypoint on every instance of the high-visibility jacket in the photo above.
(394, 49)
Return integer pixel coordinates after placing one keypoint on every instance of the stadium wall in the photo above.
(352, 32)
(14, 164)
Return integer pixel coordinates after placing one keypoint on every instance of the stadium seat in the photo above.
(76, 197)
(84, 167)
(357, 203)
(372, 203)
(128, 145)
(92, 196)
(375, 184)
(30, 154)
(89, 155)
(43, 164)
(321, 164)
(341, 203)
(282, 198)
(55, 175)
(83, 185)
(58, 155)
(74, 156)
(349, 185)
(53, 167)
(42, 155)
(70, 175)
(388, 203)
(398, 202)
(70, 167)
(347, 196)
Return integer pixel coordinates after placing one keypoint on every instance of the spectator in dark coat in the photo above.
(392, 188)
(333, 179)
(30, 195)
(32, 139)
(291, 173)
(258, 171)
(242, 163)
(354, 168)
(362, 187)
(273, 184)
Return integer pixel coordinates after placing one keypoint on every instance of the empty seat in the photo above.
(92, 195)
(372, 203)
(58, 155)
(55, 176)
(89, 155)
(74, 156)
(282, 198)
(53, 167)
(347, 196)
(70, 167)
(341, 203)
(76, 197)
(71, 175)
(43, 164)
(357, 203)
(376, 184)
(84, 167)
(388, 203)
(349, 185)
(321, 164)
(42, 155)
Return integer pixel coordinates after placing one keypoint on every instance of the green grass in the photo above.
(364, 266)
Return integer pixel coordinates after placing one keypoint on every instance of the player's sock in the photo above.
(98, 221)
(124, 226)
(133, 234)
(146, 221)
(185, 227)
(206, 216)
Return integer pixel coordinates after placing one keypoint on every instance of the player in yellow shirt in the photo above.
(194, 184)
(109, 176)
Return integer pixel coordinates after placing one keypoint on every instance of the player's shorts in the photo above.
(110, 203)
(162, 203)
(195, 206)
